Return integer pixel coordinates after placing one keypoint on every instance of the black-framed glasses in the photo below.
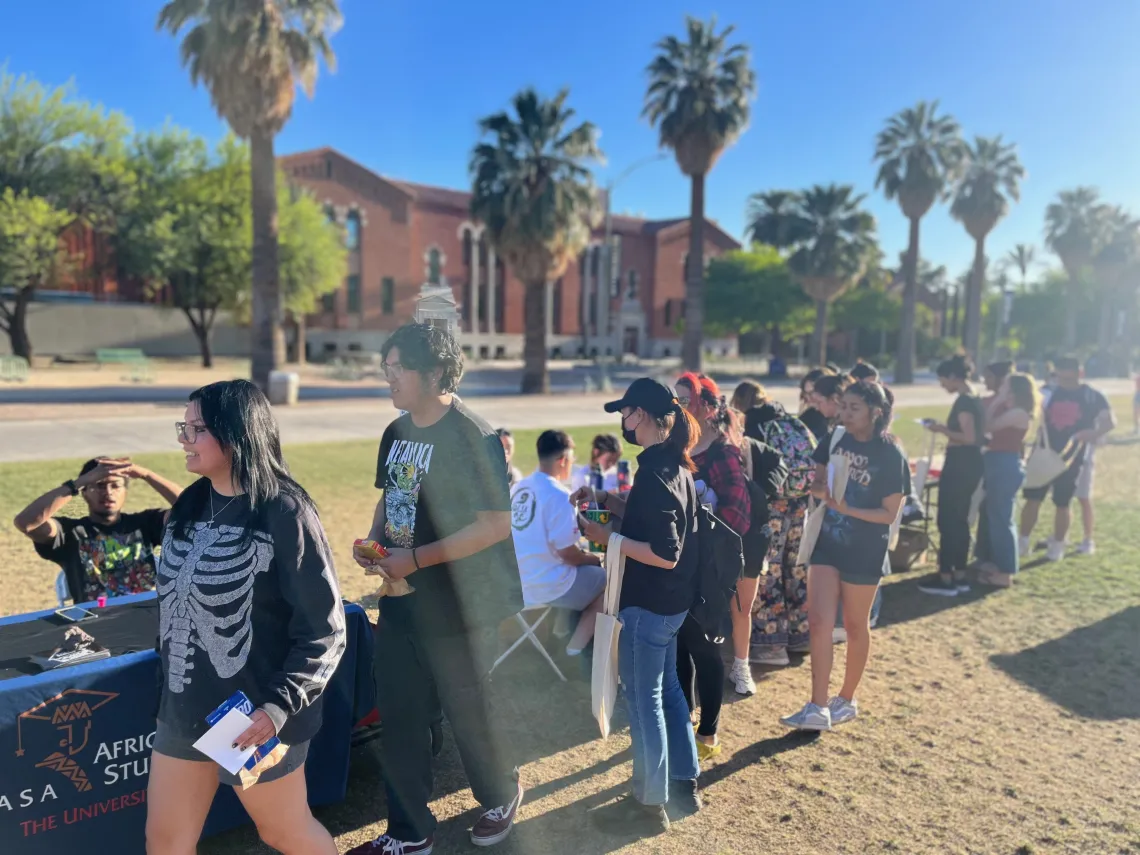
(189, 433)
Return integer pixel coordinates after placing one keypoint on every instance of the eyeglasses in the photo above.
(392, 369)
(189, 433)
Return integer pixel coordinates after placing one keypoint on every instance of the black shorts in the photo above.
(1064, 486)
(856, 567)
(173, 744)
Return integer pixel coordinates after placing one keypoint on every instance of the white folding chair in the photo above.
(528, 633)
(61, 592)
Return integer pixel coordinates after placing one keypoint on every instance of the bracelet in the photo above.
(415, 560)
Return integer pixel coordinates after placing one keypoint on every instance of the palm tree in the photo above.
(1073, 227)
(830, 240)
(991, 179)
(251, 55)
(535, 195)
(698, 99)
(1023, 256)
(918, 153)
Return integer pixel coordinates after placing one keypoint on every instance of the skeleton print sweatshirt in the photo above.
(248, 605)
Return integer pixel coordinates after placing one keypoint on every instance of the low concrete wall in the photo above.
(78, 329)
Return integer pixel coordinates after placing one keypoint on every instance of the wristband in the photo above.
(71, 486)
(415, 560)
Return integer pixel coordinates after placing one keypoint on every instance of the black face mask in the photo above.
(628, 435)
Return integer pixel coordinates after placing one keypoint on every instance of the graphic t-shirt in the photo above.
(1070, 411)
(877, 468)
(971, 404)
(435, 479)
(252, 605)
(543, 522)
(112, 560)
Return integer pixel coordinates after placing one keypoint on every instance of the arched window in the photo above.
(352, 231)
(435, 266)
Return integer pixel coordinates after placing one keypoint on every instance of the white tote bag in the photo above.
(813, 522)
(1044, 464)
(604, 679)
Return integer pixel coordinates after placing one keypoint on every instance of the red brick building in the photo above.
(402, 236)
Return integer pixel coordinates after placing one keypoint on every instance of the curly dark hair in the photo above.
(427, 349)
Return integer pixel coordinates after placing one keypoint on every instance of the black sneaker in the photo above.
(939, 586)
(630, 818)
(684, 800)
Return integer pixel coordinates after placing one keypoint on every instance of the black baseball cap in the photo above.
(647, 394)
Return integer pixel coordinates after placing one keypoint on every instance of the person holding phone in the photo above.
(659, 542)
(248, 600)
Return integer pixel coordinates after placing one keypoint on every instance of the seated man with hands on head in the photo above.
(107, 552)
(554, 569)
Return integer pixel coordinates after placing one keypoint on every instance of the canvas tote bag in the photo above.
(607, 629)
(1044, 464)
(817, 510)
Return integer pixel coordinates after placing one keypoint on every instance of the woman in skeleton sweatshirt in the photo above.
(248, 601)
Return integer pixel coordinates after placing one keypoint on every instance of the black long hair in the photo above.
(877, 397)
(238, 415)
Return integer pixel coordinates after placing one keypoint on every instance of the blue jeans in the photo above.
(1004, 474)
(659, 726)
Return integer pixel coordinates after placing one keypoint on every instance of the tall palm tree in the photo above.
(829, 238)
(1073, 226)
(698, 98)
(990, 181)
(1023, 257)
(251, 55)
(919, 152)
(535, 195)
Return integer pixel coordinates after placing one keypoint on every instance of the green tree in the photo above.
(31, 255)
(1074, 231)
(752, 290)
(990, 180)
(1117, 268)
(72, 158)
(698, 98)
(830, 241)
(533, 191)
(918, 153)
(251, 55)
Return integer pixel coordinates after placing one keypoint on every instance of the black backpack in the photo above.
(720, 565)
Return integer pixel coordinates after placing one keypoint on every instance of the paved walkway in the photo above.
(74, 432)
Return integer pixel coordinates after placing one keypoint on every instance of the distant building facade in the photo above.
(402, 236)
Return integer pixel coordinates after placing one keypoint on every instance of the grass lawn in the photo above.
(997, 723)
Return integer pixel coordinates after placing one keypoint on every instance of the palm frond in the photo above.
(991, 179)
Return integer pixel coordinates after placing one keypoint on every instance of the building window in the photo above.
(352, 231)
(614, 282)
(387, 295)
(328, 302)
(668, 313)
(353, 295)
(435, 266)
(556, 310)
(631, 286)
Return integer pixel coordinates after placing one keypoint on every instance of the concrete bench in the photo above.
(139, 368)
(13, 369)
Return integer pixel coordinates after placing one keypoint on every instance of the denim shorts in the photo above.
(171, 743)
(589, 582)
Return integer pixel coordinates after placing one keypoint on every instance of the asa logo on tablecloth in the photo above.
(70, 715)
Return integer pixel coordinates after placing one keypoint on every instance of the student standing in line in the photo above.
(659, 541)
(847, 562)
(248, 601)
(961, 473)
(445, 519)
(810, 414)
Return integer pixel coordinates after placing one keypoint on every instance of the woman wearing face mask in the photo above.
(847, 562)
(721, 484)
(246, 583)
(659, 542)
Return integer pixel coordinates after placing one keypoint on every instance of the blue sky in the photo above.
(1057, 77)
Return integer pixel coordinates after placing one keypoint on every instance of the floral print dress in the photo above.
(779, 615)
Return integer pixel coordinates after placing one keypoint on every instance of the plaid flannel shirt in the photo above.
(723, 471)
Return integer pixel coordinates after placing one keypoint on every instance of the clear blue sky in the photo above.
(1058, 77)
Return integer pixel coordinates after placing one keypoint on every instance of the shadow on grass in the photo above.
(902, 601)
(1090, 672)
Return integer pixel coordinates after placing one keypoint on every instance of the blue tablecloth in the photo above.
(75, 748)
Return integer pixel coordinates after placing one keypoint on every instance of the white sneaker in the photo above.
(1055, 551)
(741, 678)
(1087, 547)
(839, 635)
(1023, 547)
(811, 717)
(842, 710)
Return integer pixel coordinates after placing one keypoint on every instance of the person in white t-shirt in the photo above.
(605, 452)
(555, 570)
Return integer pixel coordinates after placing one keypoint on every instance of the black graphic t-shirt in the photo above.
(971, 404)
(106, 560)
(877, 468)
(1070, 411)
(250, 604)
(435, 479)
